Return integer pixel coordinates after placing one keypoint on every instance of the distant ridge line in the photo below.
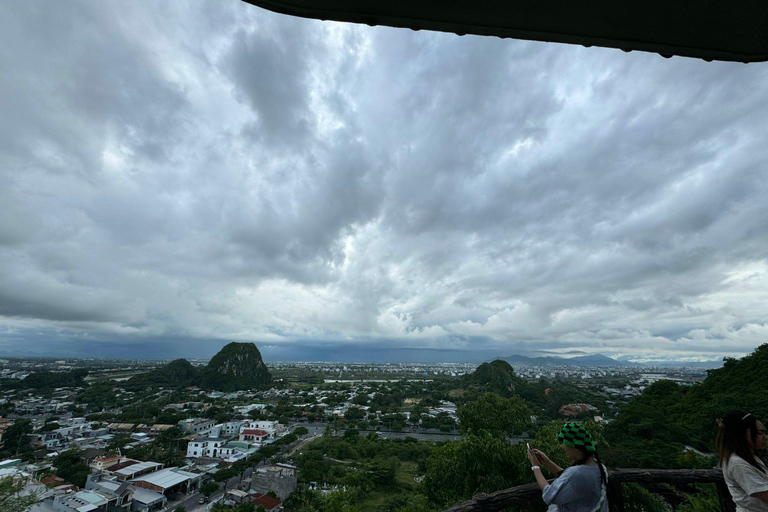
(602, 360)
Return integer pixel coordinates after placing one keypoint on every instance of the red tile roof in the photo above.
(52, 480)
(267, 502)
(255, 432)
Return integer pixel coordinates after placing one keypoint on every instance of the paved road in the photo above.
(191, 502)
(415, 435)
(415, 432)
(423, 435)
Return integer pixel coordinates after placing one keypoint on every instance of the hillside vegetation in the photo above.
(237, 366)
(653, 429)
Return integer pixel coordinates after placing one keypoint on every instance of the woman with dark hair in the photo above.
(740, 435)
(580, 487)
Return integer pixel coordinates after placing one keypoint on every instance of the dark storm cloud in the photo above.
(178, 175)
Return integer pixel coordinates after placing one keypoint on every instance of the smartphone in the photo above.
(529, 446)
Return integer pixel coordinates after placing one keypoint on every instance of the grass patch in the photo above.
(406, 471)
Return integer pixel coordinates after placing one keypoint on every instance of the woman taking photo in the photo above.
(581, 487)
(740, 435)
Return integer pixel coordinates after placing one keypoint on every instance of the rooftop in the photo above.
(136, 468)
(167, 478)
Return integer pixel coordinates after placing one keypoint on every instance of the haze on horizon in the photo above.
(178, 175)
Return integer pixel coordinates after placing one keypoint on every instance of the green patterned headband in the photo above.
(576, 436)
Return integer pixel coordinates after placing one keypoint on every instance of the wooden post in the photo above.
(724, 496)
(615, 497)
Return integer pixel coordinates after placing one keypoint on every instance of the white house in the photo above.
(253, 435)
(272, 428)
(196, 425)
(229, 429)
(206, 447)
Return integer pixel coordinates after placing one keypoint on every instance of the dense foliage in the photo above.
(49, 380)
(478, 463)
(495, 414)
(497, 377)
(378, 473)
(11, 497)
(236, 366)
(657, 429)
(544, 397)
(177, 373)
(654, 429)
(15, 438)
(70, 468)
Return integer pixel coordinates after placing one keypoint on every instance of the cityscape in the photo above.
(80, 431)
(333, 256)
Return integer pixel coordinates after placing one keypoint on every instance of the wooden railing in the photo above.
(526, 494)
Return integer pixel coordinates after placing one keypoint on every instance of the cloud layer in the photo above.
(176, 175)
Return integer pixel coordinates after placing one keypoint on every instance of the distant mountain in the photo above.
(597, 360)
(237, 366)
(589, 360)
(601, 360)
(678, 364)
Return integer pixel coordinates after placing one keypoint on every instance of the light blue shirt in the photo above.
(577, 489)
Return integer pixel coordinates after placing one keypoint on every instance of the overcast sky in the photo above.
(177, 175)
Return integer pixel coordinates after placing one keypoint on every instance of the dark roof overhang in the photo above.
(704, 29)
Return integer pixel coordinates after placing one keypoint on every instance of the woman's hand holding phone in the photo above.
(532, 455)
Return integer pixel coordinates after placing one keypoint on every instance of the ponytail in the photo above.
(603, 476)
(585, 457)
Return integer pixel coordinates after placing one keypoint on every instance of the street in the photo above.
(191, 502)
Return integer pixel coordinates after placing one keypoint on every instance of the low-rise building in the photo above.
(197, 425)
(121, 428)
(253, 435)
(268, 502)
(205, 447)
(143, 500)
(159, 428)
(90, 501)
(136, 470)
(169, 480)
(230, 429)
(280, 478)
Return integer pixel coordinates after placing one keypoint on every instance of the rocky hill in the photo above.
(497, 376)
(176, 374)
(236, 366)
(179, 372)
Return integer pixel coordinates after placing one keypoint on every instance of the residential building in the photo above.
(90, 501)
(230, 429)
(254, 435)
(169, 480)
(143, 500)
(280, 478)
(197, 425)
(99, 464)
(205, 447)
(268, 502)
(136, 470)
